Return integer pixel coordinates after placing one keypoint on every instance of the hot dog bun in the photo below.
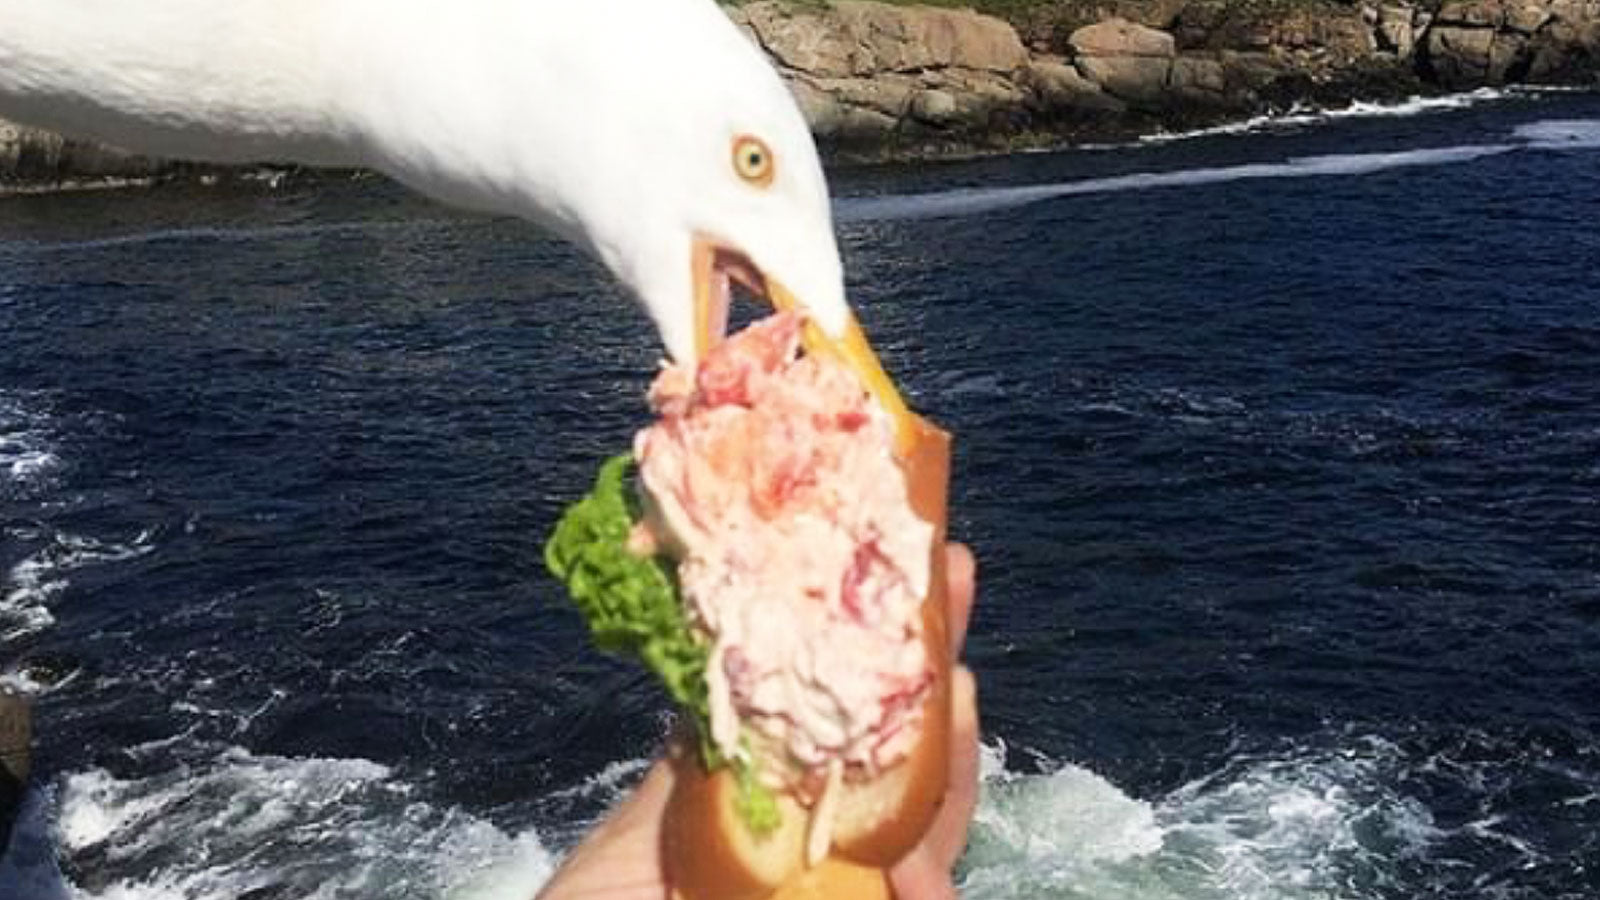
(710, 852)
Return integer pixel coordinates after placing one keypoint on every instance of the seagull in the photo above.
(651, 133)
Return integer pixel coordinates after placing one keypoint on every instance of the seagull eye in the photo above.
(752, 159)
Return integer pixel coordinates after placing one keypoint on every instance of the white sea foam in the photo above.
(974, 201)
(609, 784)
(34, 583)
(1301, 826)
(1561, 134)
(1554, 134)
(1302, 115)
(27, 447)
(307, 829)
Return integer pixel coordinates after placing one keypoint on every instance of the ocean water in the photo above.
(1279, 445)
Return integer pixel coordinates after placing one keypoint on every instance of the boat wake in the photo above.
(1301, 825)
(1538, 136)
(1351, 820)
(242, 825)
(1348, 820)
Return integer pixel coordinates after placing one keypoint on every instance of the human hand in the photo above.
(621, 859)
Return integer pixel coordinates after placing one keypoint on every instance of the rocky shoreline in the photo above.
(882, 81)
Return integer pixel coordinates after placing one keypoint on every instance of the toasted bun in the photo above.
(711, 854)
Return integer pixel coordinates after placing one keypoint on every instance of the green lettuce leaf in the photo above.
(631, 604)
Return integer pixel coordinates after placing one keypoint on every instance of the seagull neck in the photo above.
(234, 81)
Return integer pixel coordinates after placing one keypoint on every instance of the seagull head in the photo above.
(651, 132)
(690, 171)
(736, 196)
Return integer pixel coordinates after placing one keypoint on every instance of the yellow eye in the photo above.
(752, 159)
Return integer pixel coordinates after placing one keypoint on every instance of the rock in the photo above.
(1567, 49)
(1470, 13)
(1058, 89)
(1527, 18)
(934, 107)
(30, 154)
(1249, 72)
(1120, 38)
(857, 125)
(1509, 58)
(1395, 30)
(889, 94)
(1199, 81)
(865, 71)
(1458, 55)
(1129, 61)
(1140, 81)
(1473, 42)
(821, 111)
(1342, 35)
(1221, 25)
(860, 38)
(836, 121)
(16, 739)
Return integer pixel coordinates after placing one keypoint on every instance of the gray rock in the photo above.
(1198, 73)
(1459, 54)
(861, 125)
(1251, 71)
(935, 107)
(1568, 49)
(16, 741)
(1058, 88)
(1118, 38)
(1140, 81)
(1396, 30)
(889, 94)
(834, 119)
(860, 38)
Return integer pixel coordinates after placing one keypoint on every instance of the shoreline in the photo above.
(883, 83)
(270, 177)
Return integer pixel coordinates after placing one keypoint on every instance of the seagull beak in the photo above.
(717, 268)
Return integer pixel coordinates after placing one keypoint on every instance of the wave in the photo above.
(238, 824)
(1349, 820)
(974, 201)
(27, 447)
(1349, 817)
(1563, 134)
(1302, 115)
(32, 584)
(1268, 829)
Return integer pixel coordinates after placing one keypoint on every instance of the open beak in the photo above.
(717, 269)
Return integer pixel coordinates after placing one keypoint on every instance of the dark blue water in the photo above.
(1280, 451)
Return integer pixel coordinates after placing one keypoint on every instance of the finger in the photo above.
(925, 873)
(918, 877)
(622, 856)
(948, 837)
(960, 578)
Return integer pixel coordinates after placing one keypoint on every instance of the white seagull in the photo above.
(650, 132)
